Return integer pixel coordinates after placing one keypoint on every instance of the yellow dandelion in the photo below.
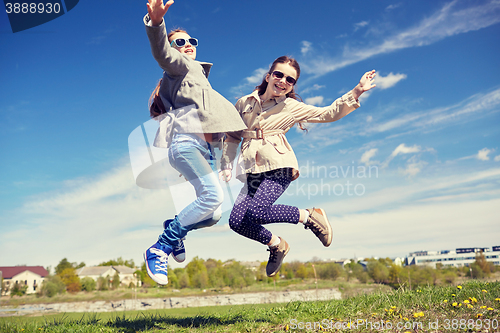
(455, 304)
(453, 295)
(287, 328)
(473, 299)
(459, 287)
(489, 309)
(466, 301)
(470, 306)
(497, 299)
(479, 315)
(418, 314)
(405, 319)
(446, 301)
(483, 307)
(393, 307)
(484, 291)
(386, 310)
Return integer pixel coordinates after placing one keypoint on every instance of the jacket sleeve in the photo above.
(341, 107)
(169, 59)
(231, 144)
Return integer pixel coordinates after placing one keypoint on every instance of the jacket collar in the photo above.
(206, 66)
(255, 94)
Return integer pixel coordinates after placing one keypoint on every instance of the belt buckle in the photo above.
(259, 133)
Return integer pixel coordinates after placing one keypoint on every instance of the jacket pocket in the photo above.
(279, 143)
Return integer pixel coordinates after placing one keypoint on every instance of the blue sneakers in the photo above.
(156, 258)
(179, 252)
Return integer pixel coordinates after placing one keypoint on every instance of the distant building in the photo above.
(458, 258)
(31, 277)
(125, 273)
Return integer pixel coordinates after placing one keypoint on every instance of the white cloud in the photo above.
(316, 100)
(401, 149)
(386, 82)
(367, 155)
(312, 88)
(360, 25)
(482, 155)
(257, 76)
(477, 105)
(250, 82)
(497, 158)
(394, 6)
(450, 20)
(306, 47)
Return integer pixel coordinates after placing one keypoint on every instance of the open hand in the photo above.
(157, 10)
(365, 83)
(225, 175)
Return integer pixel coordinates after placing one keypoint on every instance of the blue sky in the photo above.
(74, 89)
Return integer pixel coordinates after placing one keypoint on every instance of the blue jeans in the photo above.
(195, 160)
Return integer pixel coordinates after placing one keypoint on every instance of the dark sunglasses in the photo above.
(279, 75)
(180, 42)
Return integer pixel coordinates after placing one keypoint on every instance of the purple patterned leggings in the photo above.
(255, 205)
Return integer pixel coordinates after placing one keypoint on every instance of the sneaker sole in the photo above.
(286, 252)
(151, 275)
(178, 259)
(329, 228)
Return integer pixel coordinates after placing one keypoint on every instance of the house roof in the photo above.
(124, 269)
(8, 272)
(93, 270)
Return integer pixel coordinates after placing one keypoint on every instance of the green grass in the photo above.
(422, 308)
(347, 288)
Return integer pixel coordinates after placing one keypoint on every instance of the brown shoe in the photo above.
(276, 257)
(319, 225)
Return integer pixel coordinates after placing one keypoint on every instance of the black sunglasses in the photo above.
(180, 42)
(279, 75)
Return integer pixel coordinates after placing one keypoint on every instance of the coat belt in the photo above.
(259, 133)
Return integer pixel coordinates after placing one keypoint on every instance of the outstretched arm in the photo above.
(157, 10)
(365, 84)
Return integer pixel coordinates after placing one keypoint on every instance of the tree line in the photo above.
(215, 274)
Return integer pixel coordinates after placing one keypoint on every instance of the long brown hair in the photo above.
(155, 103)
(281, 60)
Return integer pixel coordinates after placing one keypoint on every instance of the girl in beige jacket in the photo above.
(267, 160)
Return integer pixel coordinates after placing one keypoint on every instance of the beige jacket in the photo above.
(264, 145)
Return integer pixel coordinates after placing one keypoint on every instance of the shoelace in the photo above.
(162, 260)
(313, 226)
(179, 246)
(273, 256)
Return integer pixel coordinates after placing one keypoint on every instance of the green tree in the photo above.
(118, 262)
(64, 264)
(103, 283)
(18, 290)
(52, 285)
(378, 270)
(115, 282)
(70, 279)
(197, 272)
(483, 263)
(88, 284)
(145, 279)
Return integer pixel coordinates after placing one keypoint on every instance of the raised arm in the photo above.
(169, 59)
(365, 84)
(157, 10)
